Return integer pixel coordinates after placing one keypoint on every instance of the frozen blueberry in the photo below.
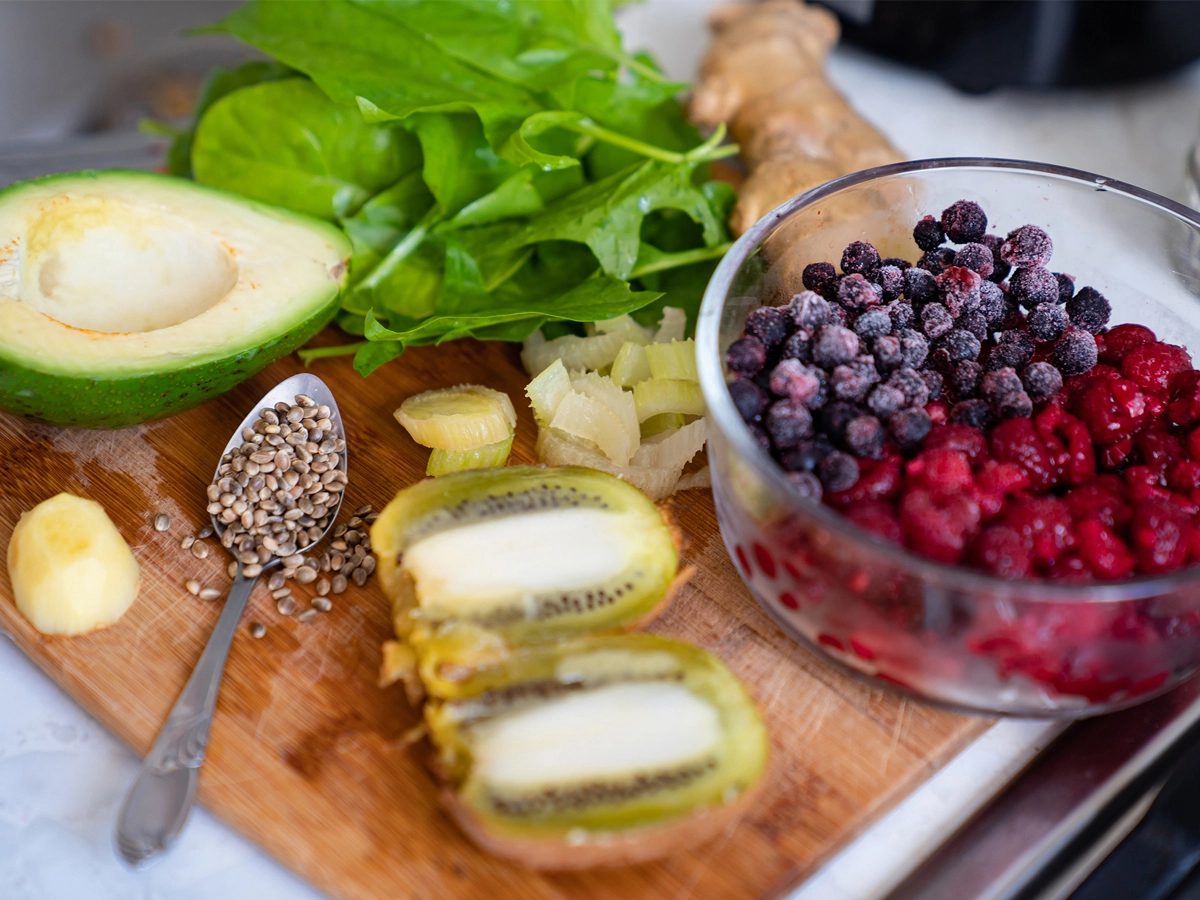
(860, 258)
(999, 383)
(958, 344)
(1014, 405)
(936, 320)
(934, 381)
(885, 401)
(807, 485)
(909, 427)
(1000, 268)
(1014, 350)
(911, 384)
(853, 380)
(928, 233)
(865, 437)
(1075, 352)
(798, 346)
(1089, 310)
(797, 382)
(963, 379)
(746, 356)
(964, 221)
(976, 323)
(891, 281)
(872, 324)
(1027, 246)
(934, 261)
(760, 436)
(749, 399)
(788, 423)
(975, 413)
(888, 354)
(959, 287)
(920, 286)
(1033, 285)
(1066, 286)
(914, 347)
(834, 345)
(1048, 321)
(993, 304)
(837, 313)
(902, 314)
(833, 417)
(856, 293)
(838, 471)
(769, 324)
(809, 310)
(896, 261)
(820, 277)
(807, 454)
(1041, 380)
(977, 258)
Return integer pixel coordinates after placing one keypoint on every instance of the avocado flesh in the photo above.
(129, 296)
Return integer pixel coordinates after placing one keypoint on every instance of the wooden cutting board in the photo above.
(308, 757)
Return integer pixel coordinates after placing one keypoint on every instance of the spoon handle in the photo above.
(159, 801)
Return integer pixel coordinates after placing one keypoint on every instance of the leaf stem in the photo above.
(600, 133)
(682, 258)
(307, 356)
(402, 250)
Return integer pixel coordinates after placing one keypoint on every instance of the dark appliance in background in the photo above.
(978, 45)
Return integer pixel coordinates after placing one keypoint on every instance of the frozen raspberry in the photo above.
(1102, 500)
(769, 324)
(788, 423)
(838, 471)
(1184, 476)
(920, 285)
(834, 345)
(976, 257)
(1066, 286)
(964, 221)
(834, 417)
(1041, 380)
(798, 346)
(820, 277)
(938, 527)
(746, 356)
(993, 304)
(806, 484)
(1160, 535)
(1119, 340)
(934, 381)
(1112, 408)
(885, 401)
(807, 454)
(1116, 454)
(1074, 352)
(1159, 449)
(1000, 268)
(909, 427)
(914, 347)
(865, 437)
(1153, 366)
(1045, 524)
(997, 383)
(1016, 441)
(928, 233)
(797, 382)
(875, 516)
(1104, 553)
(855, 293)
(878, 479)
(941, 470)
(888, 355)
(1048, 321)
(872, 324)
(936, 320)
(749, 399)
(962, 438)
(809, 310)
(975, 413)
(901, 314)
(860, 258)
(912, 386)
(975, 323)
(1032, 286)
(1089, 310)
(939, 412)
(957, 345)
(1001, 551)
(959, 287)
(1069, 443)
(1027, 246)
(891, 281)
(964, 379)
(995, 483)
(934, 261)
(1184, 410)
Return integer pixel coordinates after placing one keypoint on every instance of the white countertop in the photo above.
(62, 775)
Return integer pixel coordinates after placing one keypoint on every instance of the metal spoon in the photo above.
(157, 805)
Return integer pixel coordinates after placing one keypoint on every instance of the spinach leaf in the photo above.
(285, 142)
(460, 166)
(383, 220)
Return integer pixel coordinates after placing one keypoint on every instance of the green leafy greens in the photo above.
(498, 165)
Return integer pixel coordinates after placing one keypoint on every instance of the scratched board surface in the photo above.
(308, 757)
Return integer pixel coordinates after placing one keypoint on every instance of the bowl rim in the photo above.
(724, 416)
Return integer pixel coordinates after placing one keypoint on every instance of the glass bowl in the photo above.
(951, 635)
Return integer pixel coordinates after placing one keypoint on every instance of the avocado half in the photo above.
(127, 296)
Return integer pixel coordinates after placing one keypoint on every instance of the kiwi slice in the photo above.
(520, 555)
(599, 751)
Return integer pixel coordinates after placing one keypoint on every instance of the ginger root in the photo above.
(764, 76)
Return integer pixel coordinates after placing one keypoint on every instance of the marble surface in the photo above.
(62, 775)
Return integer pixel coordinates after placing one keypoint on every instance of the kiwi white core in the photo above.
(517, 557)
(608, 733)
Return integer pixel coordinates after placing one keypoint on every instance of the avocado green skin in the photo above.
(76, 401)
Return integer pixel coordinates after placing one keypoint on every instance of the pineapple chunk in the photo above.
(71, 570)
